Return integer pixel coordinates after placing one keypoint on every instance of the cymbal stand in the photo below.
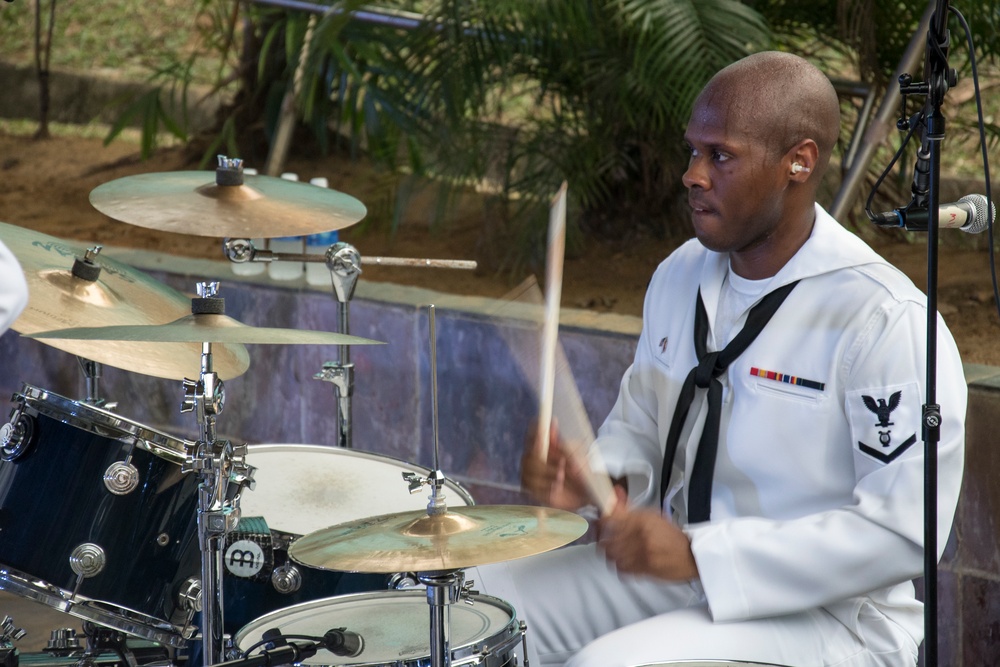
(223, 471)
(88, 270)
(344, 263)
(92, 371)
(444, 587)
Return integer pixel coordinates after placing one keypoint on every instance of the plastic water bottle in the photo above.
(250, 268)
(287, 244)
(317, 244)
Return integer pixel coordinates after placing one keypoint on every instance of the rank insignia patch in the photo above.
(881, 421)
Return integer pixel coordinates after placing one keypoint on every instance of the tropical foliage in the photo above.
(516, 96)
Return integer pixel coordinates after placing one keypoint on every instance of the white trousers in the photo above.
(580, 613)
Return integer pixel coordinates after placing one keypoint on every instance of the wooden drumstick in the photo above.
(525, 304)
(598, 486)
(550, 325)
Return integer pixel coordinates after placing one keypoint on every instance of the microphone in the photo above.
(282, 655)
(341, 641)
(967, 214)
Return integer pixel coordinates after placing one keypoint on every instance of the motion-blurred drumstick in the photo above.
(550, 326)
(520, 318)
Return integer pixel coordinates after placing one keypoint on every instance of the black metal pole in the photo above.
(939, 80)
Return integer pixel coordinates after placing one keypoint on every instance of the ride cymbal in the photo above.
(418, 542)
(102, 291)
(191, 202)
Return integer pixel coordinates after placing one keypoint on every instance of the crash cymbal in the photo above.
(206, 328)
(118, 295)
(459, 538)
(190, 202)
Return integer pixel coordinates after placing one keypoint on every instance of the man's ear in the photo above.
(801, 160)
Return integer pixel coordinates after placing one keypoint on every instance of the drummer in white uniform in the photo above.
(786, 524)
(13, 288)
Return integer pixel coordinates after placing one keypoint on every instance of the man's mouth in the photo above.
(699, 209)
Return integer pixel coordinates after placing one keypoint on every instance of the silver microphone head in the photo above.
(980, 220)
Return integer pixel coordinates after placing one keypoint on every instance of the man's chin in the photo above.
(710, 240)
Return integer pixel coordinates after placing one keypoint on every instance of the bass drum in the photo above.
(395, 628)
(300, 489)
(97, 519)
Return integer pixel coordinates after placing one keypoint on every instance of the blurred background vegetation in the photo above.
(510, 97)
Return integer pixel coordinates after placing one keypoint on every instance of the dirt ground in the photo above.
(46, 185)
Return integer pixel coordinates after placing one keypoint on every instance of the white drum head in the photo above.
(395, 626)
(300, 489)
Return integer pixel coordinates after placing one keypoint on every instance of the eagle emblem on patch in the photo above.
(888, 448)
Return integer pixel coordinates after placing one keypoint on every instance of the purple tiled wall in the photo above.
(484, 406)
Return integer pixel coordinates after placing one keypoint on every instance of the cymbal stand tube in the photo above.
(92, 371)
(215, 463)
(443, 589)
(437, 504)
(432, 333)
(435, 480)
(344, 263)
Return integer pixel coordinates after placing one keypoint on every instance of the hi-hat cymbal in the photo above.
(190, 202)
(459, 538)
(120, 295)
(207, 328)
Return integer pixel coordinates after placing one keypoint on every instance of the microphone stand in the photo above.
(939, 79)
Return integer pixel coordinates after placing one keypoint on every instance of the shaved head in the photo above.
(779, 99)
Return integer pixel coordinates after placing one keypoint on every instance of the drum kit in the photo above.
(157, 541)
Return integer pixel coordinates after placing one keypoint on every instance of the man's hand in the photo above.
(555, 481)
(643, 541)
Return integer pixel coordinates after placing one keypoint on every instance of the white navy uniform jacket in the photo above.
(13, 288)
(817, 498)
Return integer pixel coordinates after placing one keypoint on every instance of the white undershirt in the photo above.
(737, 295)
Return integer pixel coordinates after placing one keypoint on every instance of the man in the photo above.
(787, 522)
(13, 288)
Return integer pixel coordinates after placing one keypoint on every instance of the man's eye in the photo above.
(719, 157)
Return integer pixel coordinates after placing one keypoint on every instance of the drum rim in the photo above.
(451, 482)
(106, 613)
(118, 427)
(508, 633)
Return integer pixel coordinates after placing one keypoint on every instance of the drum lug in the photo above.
(286, 579)
(63, 641)
(233, 651)
(9, 633)
(189, 602)
(17, 436)
(87, 560)
(121, 478)
(189, 596)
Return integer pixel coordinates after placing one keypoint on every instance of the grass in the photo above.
(27, 128)
(131, 38)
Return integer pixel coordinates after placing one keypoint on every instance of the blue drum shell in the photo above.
(53, 498)
(246, 600)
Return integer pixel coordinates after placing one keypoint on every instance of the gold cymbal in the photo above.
(206, 328)
(459, 538)
(190, 202)
(120, 295)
